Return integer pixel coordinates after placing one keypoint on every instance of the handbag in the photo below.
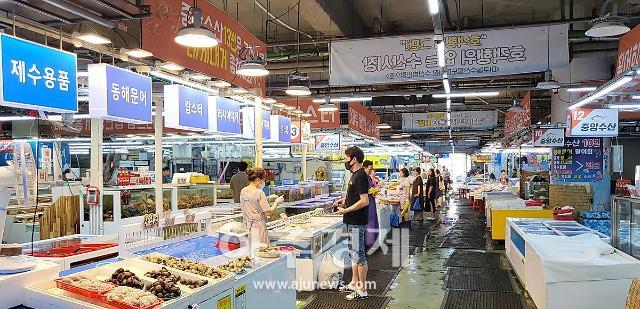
(416, 205)
(394, 219)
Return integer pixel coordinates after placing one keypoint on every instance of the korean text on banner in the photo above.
(592, 122)
(461, 121)
(221, 61)
(516, 121)
(363, 120)
(224, 115)
(118, 94)
(186, 108)
(580, 160)
(628, 51)
(398, 59)
(318, 119)
(548, 137)
(280, 129)
(327, 142)
(39, 77)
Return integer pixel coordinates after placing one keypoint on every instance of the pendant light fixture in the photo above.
(607, 24)
(251, 64)
(195, 35)
(298, 84)
(549, 83)
(328, 107)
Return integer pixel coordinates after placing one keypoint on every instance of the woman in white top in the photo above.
(255, 206)
(405, 182)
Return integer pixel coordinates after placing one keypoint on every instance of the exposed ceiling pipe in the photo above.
(39, 11)
(113, 9)
(273, 17)
(82, 13)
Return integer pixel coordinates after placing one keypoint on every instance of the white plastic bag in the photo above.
(330, 271)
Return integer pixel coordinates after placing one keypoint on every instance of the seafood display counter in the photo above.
(312, 234)
(14, 286)
(318, 202)
(73, 250)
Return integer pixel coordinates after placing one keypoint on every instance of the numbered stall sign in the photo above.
(592, 122)
(548, 137)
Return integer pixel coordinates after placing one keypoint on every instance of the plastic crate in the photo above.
(80, 291)
(122, 305)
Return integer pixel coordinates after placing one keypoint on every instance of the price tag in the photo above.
(225, 302)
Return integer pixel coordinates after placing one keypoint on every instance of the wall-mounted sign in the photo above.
(363, 120)
(592, 122)
(221, 61)
(379, 162)
(300, 131)
(399, 59)
(248, 123)
(515, 122)
(548, 137)
(186, 108)
(224, 115)
(628, 51)
(119, 94)
(461, 121)
(39, 77)
(280, 129)
(327, 142)
(580, 160)
(318, 119)
(481, 159)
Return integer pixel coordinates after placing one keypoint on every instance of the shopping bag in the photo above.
(394, 219)
(441, 185)
(330, 272)
(416, 205)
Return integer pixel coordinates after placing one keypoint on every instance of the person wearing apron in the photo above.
(255, 207)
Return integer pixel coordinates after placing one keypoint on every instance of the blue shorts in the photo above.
(356, 244)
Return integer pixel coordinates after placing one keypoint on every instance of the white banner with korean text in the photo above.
(461, 121)
(398, 59)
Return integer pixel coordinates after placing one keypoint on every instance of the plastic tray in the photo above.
(122, 305)
(78, 290)
(72, 250)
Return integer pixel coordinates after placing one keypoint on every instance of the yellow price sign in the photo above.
(225, 302)
(240, 299)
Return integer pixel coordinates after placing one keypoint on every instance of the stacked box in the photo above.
(597, 220)
(576, 195)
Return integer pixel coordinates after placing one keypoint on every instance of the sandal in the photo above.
(347, 288)
(357, 295)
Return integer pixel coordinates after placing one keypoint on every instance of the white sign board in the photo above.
(593, 122)
(399, 59)
(327, 142)
(437, 121)
(548, 137)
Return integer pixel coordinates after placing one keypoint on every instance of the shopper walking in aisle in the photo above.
(239, 181)
(417, 195)
(372, 226)
(255, 207)
(439, 189)
(447, 180)
(355, 210)
(405, 182)
(431, 193)
(406, 214)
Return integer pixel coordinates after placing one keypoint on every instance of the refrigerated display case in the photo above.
(73, 250)
(625, 231)
(196, 196)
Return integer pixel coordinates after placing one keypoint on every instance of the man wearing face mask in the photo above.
(255, 207)
(354, 208)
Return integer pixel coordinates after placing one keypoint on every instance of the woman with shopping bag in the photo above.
(417, 196)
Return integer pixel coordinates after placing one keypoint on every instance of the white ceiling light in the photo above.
(194, 35)
(297, 112)
(448, 104)
(289, 107)
(178, 80)
(607, 26)
(447, 87)
(383, 126)
(516, 108)
(398, 136)
(434, 7)
(343, 99)
(635, 97)
(298, 90)
(549, 83)
(441, 54)
(582, 89)
(16, 118)
(269, 101)
(199, 77)
(239, 90)
(279, 105)
(92, 38)
(170, 66)
(466, 94)
(328, 107)
(218, 83)
(624, 106)
(252, 69)
(137, 53)
(602, 92)
(306, 115)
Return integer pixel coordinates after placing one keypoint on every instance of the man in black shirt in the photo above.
(355, 211)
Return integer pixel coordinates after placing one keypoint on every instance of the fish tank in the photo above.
(196, 196)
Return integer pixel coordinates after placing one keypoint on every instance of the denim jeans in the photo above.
(356, 244)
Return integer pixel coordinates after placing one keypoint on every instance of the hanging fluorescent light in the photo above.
(624, 106)
(602, 92)
(441, 54)
(178, 80)
(582, 89)
(92, 38)
(170, 66)
(343, 100)
(269, 101)
(136, 53)
(447, 87)
(199, 77)
(635, 97)
(252, 69)
(297, 90)
(194, 35)
(434, 7)
(16, 118)
(398, 136)
(328, 107)
(466, 94)
(448, 104)
(383, 126)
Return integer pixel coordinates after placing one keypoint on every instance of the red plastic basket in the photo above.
(72, 250)
(78, 290)
(563, 215)
(122, 305)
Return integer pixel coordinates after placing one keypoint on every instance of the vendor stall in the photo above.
(73, 250)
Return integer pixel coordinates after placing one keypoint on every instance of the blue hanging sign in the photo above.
(186, 108)
(34, 76)
(280, 129)
(118, 94)
(580, 160)
(224, 115)
(266, 125)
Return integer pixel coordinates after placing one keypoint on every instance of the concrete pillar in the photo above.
(258, 130)
(158, 125)
(580, 70)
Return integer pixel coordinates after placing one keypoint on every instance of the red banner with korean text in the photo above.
(517, 121)
(169, 16)
(363, 120)
(318, 119)
(628, 51)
